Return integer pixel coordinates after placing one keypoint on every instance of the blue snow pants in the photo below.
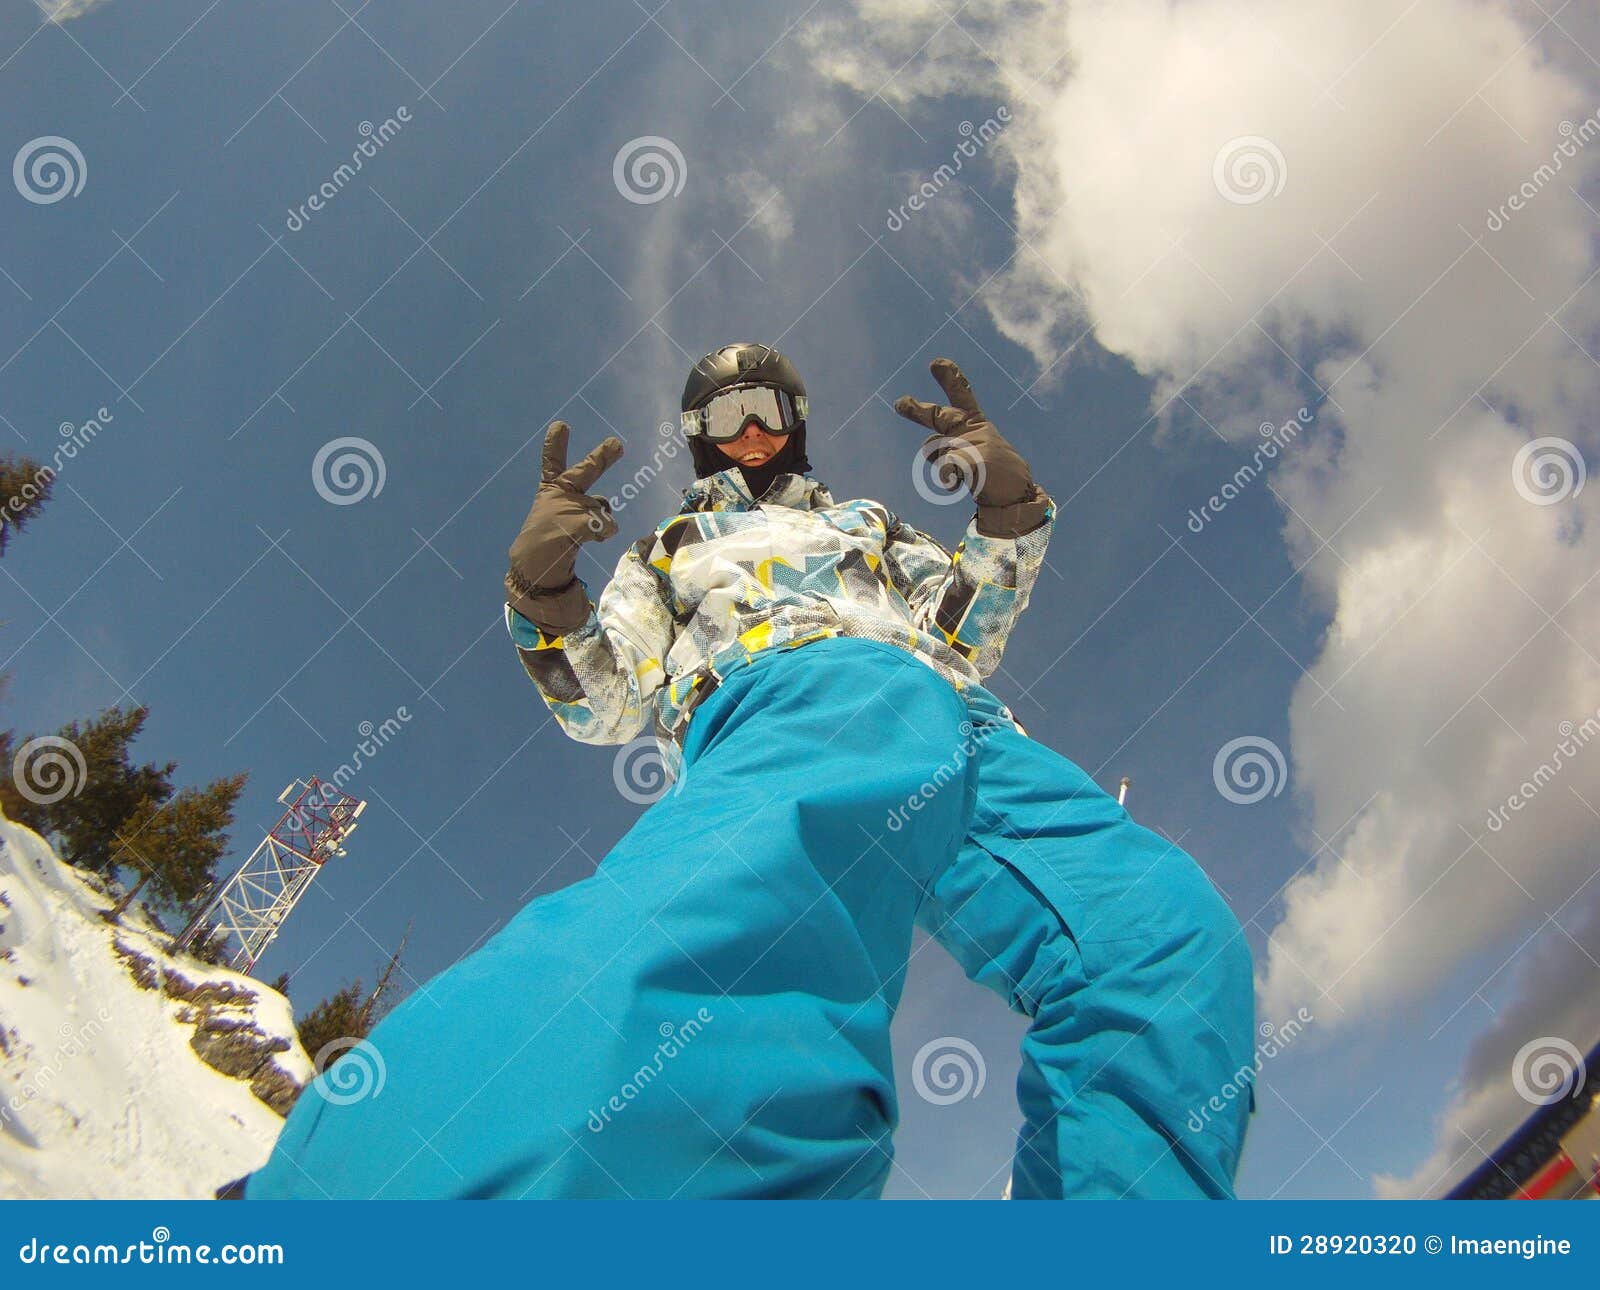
(708, 1014)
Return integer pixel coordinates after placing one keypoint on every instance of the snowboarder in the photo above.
(708, 1014)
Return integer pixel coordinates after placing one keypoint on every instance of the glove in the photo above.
(542, 583)
(966, 448)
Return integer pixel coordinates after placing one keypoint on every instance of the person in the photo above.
(708, 1014)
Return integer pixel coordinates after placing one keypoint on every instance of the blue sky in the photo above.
(484, 274)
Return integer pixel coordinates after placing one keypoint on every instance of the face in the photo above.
(754, 446)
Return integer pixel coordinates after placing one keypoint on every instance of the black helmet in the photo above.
(741, 364)
(746, 363)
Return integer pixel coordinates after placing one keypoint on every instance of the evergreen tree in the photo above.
(213, 946)
(174, 845)
(343, 1015)
(24, 489)
(111, 788)
(123, 816)
(348, 1014)
(12, 804)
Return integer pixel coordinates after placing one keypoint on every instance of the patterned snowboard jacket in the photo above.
(728, 577)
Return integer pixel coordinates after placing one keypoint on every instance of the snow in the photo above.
(102, 1094)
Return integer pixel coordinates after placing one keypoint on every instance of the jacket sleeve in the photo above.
(972, 597)
(598, 680)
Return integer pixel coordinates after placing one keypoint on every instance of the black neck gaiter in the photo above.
(788, 460)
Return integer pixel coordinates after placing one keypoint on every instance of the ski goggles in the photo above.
(724, 416)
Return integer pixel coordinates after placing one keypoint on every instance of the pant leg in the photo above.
(1136, 974)
(706, 1016)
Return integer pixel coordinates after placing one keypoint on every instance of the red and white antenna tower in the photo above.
(250, 906)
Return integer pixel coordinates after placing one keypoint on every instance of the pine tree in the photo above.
(349, 1014)
(344, 1015)
(174, 845)
(123, 816)
(213, 945)
(12, 804)
(109, 790)
(24, 489)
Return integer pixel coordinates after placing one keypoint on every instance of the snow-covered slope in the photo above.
(125, 1071)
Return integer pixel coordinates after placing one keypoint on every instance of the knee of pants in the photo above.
(1218, 938)
(1229, 962)
(1193, 958)
(1171, 992)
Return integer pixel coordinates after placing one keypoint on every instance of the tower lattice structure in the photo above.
(250, 907)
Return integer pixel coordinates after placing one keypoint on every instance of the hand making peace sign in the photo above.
(965, 448)
(542, 583)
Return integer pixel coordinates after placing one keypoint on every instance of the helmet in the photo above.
(733, 366)
(741, 364)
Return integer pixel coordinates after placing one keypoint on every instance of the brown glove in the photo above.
(965, 448)
(542, 583)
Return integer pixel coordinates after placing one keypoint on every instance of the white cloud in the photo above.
(1462, 625)
(764, 204)
(59, 11)
(1552, 1002)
